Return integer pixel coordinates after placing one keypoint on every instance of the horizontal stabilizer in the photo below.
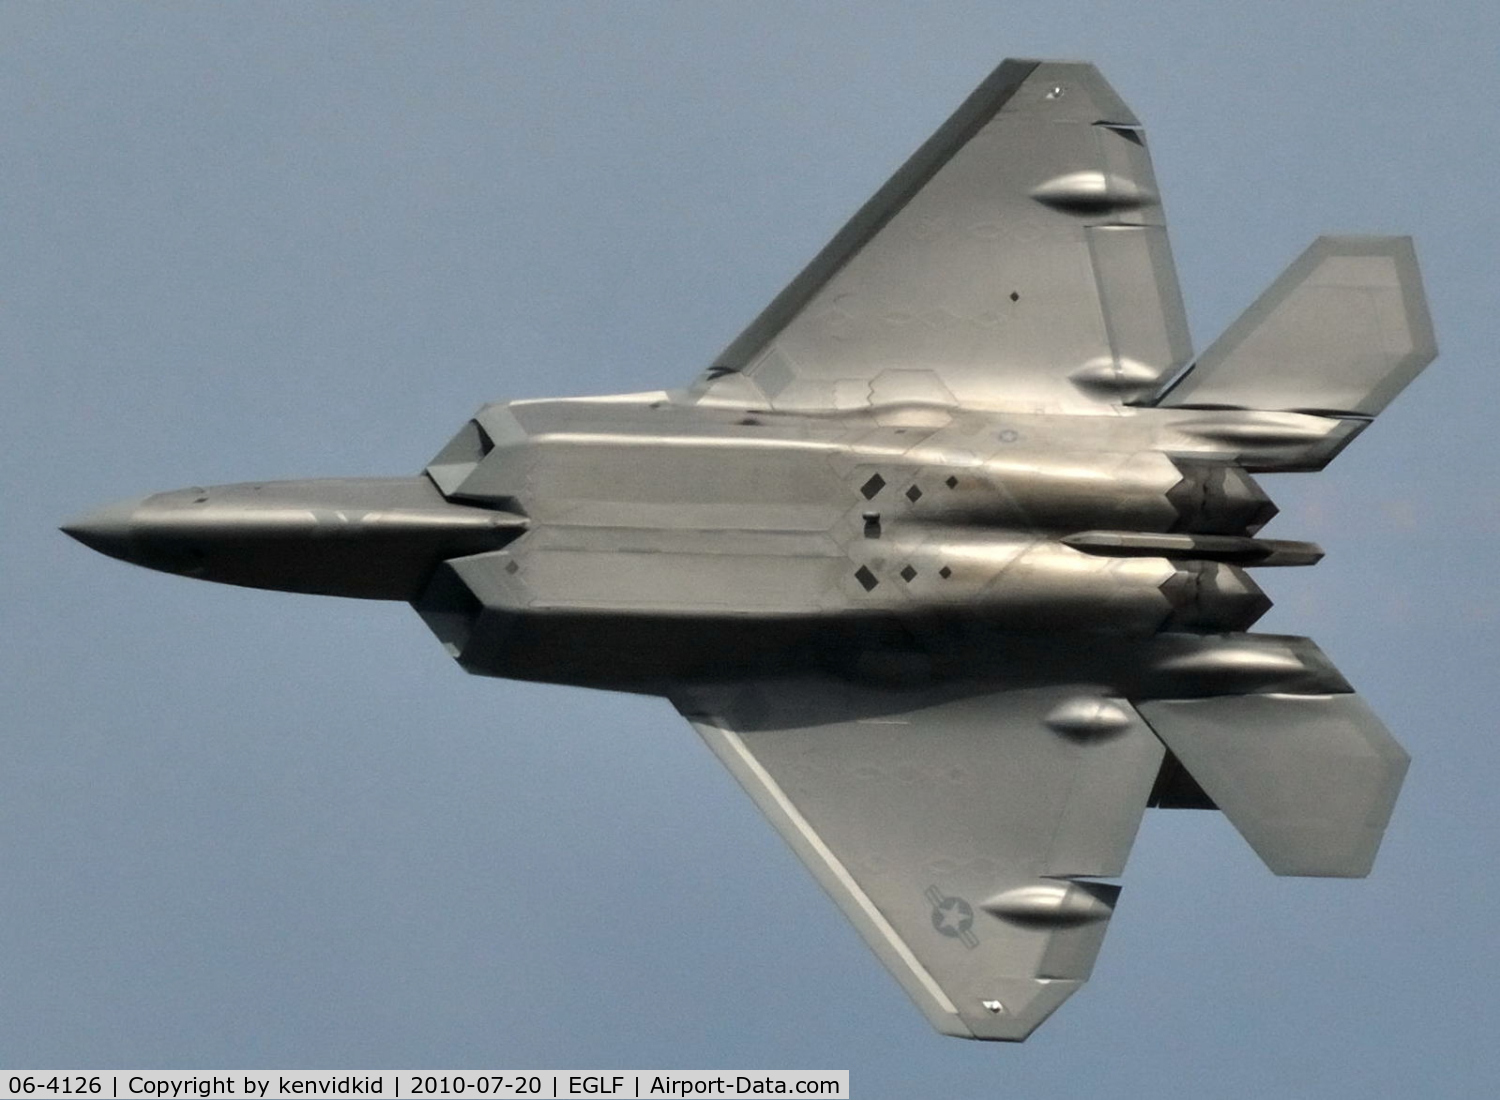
(1308, 780)
(1341, 331)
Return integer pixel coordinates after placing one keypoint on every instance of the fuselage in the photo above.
(644, 540)
(667, 538)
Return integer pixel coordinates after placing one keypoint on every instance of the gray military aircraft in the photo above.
(944, 556)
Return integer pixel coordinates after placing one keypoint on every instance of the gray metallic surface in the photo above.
(1018, 259)
(1342, 330)
(1310, 780)
(376, 538)
(923, 556)
(913, 815)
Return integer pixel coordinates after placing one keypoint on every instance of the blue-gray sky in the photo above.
(244, 829)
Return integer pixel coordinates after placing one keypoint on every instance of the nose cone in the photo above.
(375, 538)
(109, 530)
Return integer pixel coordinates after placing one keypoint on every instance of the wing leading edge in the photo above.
(1019, 259)
(951, 828)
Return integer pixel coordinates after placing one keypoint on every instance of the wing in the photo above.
(949, 828)
(1019, 259)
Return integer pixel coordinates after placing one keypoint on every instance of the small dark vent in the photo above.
(1130, 135)
(873, 486)
(945, 572)
(866, 578)
(1176, 789)
(458, 459)
(908, 574)
(914, 494)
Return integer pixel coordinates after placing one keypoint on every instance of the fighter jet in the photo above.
(946, 557)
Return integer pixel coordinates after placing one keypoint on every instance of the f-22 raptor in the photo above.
(945, 556)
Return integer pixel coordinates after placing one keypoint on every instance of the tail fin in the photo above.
(1340, 332)
(1309, 780)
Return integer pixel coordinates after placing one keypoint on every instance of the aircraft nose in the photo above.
(108, 530)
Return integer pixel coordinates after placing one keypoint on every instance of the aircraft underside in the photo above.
(947, 557)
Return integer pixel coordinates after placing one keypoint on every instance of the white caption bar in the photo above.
(469, 1084)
